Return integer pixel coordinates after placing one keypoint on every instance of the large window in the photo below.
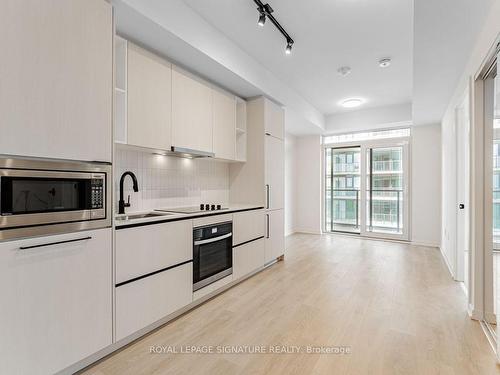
(382, 209)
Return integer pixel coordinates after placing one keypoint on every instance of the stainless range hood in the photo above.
(181, 152)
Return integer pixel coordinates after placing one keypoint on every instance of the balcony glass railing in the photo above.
(346, 168)
(387, 166)
(385, 210)
(383, 214)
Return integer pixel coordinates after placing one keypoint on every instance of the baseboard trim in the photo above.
(426, 244)
(464, 289)
(474, 313)
(307, 231)
(443, 255)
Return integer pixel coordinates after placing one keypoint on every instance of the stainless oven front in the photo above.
(44, 196)
(212, 253)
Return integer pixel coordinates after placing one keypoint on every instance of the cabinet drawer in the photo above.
(248, 258)
(145, 301)
(213, 219)
(247, 225)
(150, 248)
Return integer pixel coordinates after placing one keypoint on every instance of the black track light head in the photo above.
(262, 20)
(288, 49)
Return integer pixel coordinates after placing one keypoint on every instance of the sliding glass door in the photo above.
(342, 186)
(367, 195)
(385, 195)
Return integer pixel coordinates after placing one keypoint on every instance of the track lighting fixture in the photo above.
(265, 11)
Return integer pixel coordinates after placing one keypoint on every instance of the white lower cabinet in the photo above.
(275, 235)
(149, 248)
(145, 301)
(247, 226)
(248, 257)
(56, 306)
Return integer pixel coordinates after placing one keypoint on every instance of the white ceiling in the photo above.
(328, 34)
(445, 33)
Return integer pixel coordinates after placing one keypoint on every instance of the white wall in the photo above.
(369, 118)
(308, 184)
(290, 181)
(426, 185)
(483, 44)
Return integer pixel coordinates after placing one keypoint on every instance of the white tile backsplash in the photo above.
(167, 181)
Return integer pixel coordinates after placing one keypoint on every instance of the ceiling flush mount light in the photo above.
(344, 70)
(265, 11)
(385, 62)
(351, 103)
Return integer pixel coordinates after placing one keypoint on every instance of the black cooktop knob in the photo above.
(219, 207)
(202, 206)
(213, 207)
(207, 207)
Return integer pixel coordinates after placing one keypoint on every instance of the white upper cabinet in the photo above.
(224, 114)
(274, 119)
(192, 116)
(57, 79)
(149, 103)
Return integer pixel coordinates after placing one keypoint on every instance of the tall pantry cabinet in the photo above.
(261, 179)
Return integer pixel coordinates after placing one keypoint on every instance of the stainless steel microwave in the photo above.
(45, 196)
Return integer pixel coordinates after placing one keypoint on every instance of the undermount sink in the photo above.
(142, 216)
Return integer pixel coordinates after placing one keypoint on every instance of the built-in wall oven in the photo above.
(212, 253)
(45, 196)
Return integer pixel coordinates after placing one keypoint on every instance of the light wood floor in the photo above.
(394, 305)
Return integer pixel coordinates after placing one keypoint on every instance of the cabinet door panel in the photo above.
(149, 99)
(145, 301)
(224, 112)
(275, 175)
(56, 79)
(192, 121)
(247, 226)
(275, 239)
(52, 298)
(150, 248)
(248, 257)
(274, 120)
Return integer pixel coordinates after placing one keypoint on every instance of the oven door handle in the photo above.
(215, 239)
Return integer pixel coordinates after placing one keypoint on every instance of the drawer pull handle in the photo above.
(54, 243)
(210, 240)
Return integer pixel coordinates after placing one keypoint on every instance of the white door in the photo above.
(275, 173)
(462, 204)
